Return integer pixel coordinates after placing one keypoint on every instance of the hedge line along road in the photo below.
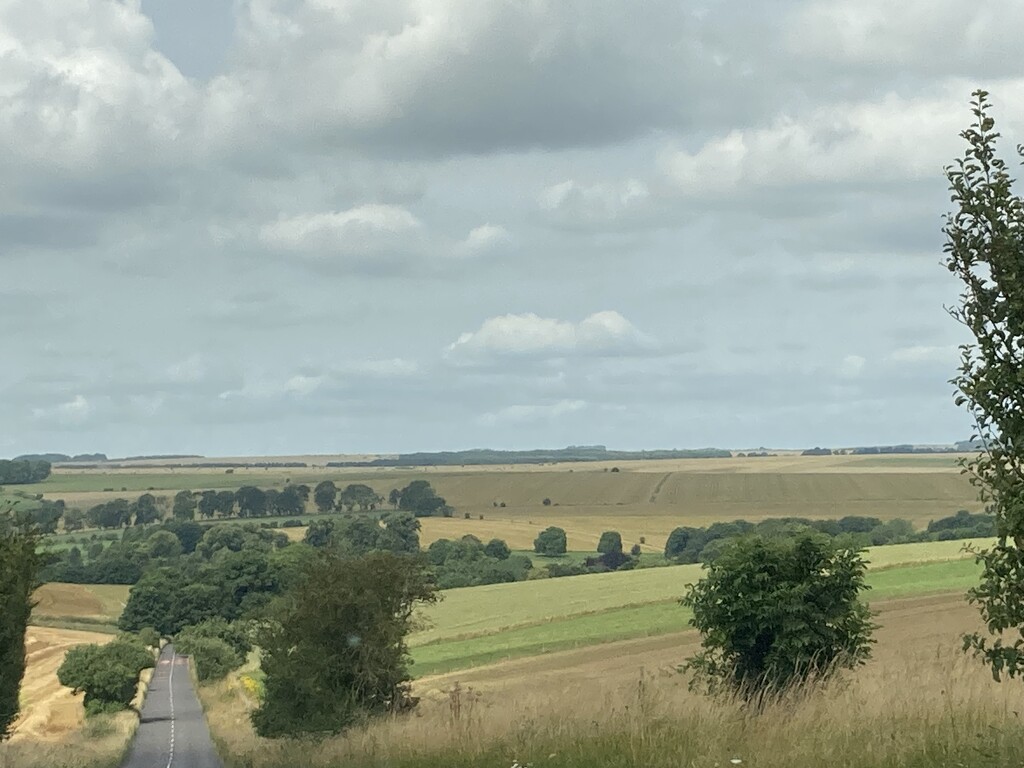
(172, 731)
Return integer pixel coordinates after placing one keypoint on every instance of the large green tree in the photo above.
(335, 650)
(18, 565)
(551, 542)
(777, 611)
(985, 250)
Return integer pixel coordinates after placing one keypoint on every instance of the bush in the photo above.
(149, 637)
(635, 550)
(212, 657)
(234, 633)
(107, 674)
(335, 652)
(292, 523)
(776, 612)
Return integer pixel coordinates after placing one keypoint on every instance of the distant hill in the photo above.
(482, 456)
(55, 458)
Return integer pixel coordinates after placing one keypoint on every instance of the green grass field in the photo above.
(658, 615)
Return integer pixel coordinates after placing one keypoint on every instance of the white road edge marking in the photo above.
(170, 689)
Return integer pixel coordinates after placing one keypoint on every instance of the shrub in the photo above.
(635, 550)
(335, 652)
(212, 657)
(149, 637)
(546, 502)
(107, 674)
(775, 612)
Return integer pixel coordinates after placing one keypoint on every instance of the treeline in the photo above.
(541, 456)
(702, 545)
(21, 471)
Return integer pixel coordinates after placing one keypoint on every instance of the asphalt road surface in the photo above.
(172, 732)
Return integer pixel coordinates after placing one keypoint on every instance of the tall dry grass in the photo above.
(932, 708)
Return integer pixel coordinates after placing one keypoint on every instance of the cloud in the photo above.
(926, 354)
(483, 239)
(852, 367)
(73, 413)
(894, 139)
(602, 333)
(358, 232)
(601, 203)
(520, 414)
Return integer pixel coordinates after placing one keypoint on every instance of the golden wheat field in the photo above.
(643, 500)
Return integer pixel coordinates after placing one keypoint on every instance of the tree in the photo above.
(324, 495)
(610, 541)
(164, 544)
(208, 504)
(184, 506)
(497, 549)
(401, 533)
(419, 498)
(144, 510)
(985, 250)
(108, 674)
(394, 497)
(773, 612)
(359, 495)
(23, 471)
(550, 542)
(252, 501)
(315, 684)
(319, 533)
(18, 564)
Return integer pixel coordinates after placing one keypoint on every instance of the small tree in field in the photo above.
(985, 250)
(611, 541)
(777, 612)
(551, 542)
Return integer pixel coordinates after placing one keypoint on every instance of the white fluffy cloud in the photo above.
(894, 139)
(575, 203)
(361, 231)
(605, 332)
(520, 414)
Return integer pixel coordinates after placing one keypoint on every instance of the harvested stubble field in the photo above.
(644, 499)
(78, 606)
(52, 732)
(918, 702)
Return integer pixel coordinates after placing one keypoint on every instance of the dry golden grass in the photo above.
(52, 731)
(80, 601)
(919, 702)
(629, 699)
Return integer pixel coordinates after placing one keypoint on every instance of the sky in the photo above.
(271, 227)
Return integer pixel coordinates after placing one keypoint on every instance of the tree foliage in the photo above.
(551, 542)
(23, 471)
(335, 651)
(18, 565)
(775, 612)
(611, 541)
(985, 251)
(107, 674)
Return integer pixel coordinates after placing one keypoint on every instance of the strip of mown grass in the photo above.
(650, 619)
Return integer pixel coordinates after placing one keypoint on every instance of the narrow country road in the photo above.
(173, 730)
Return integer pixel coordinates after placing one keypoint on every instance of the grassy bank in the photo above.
(914, 707)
